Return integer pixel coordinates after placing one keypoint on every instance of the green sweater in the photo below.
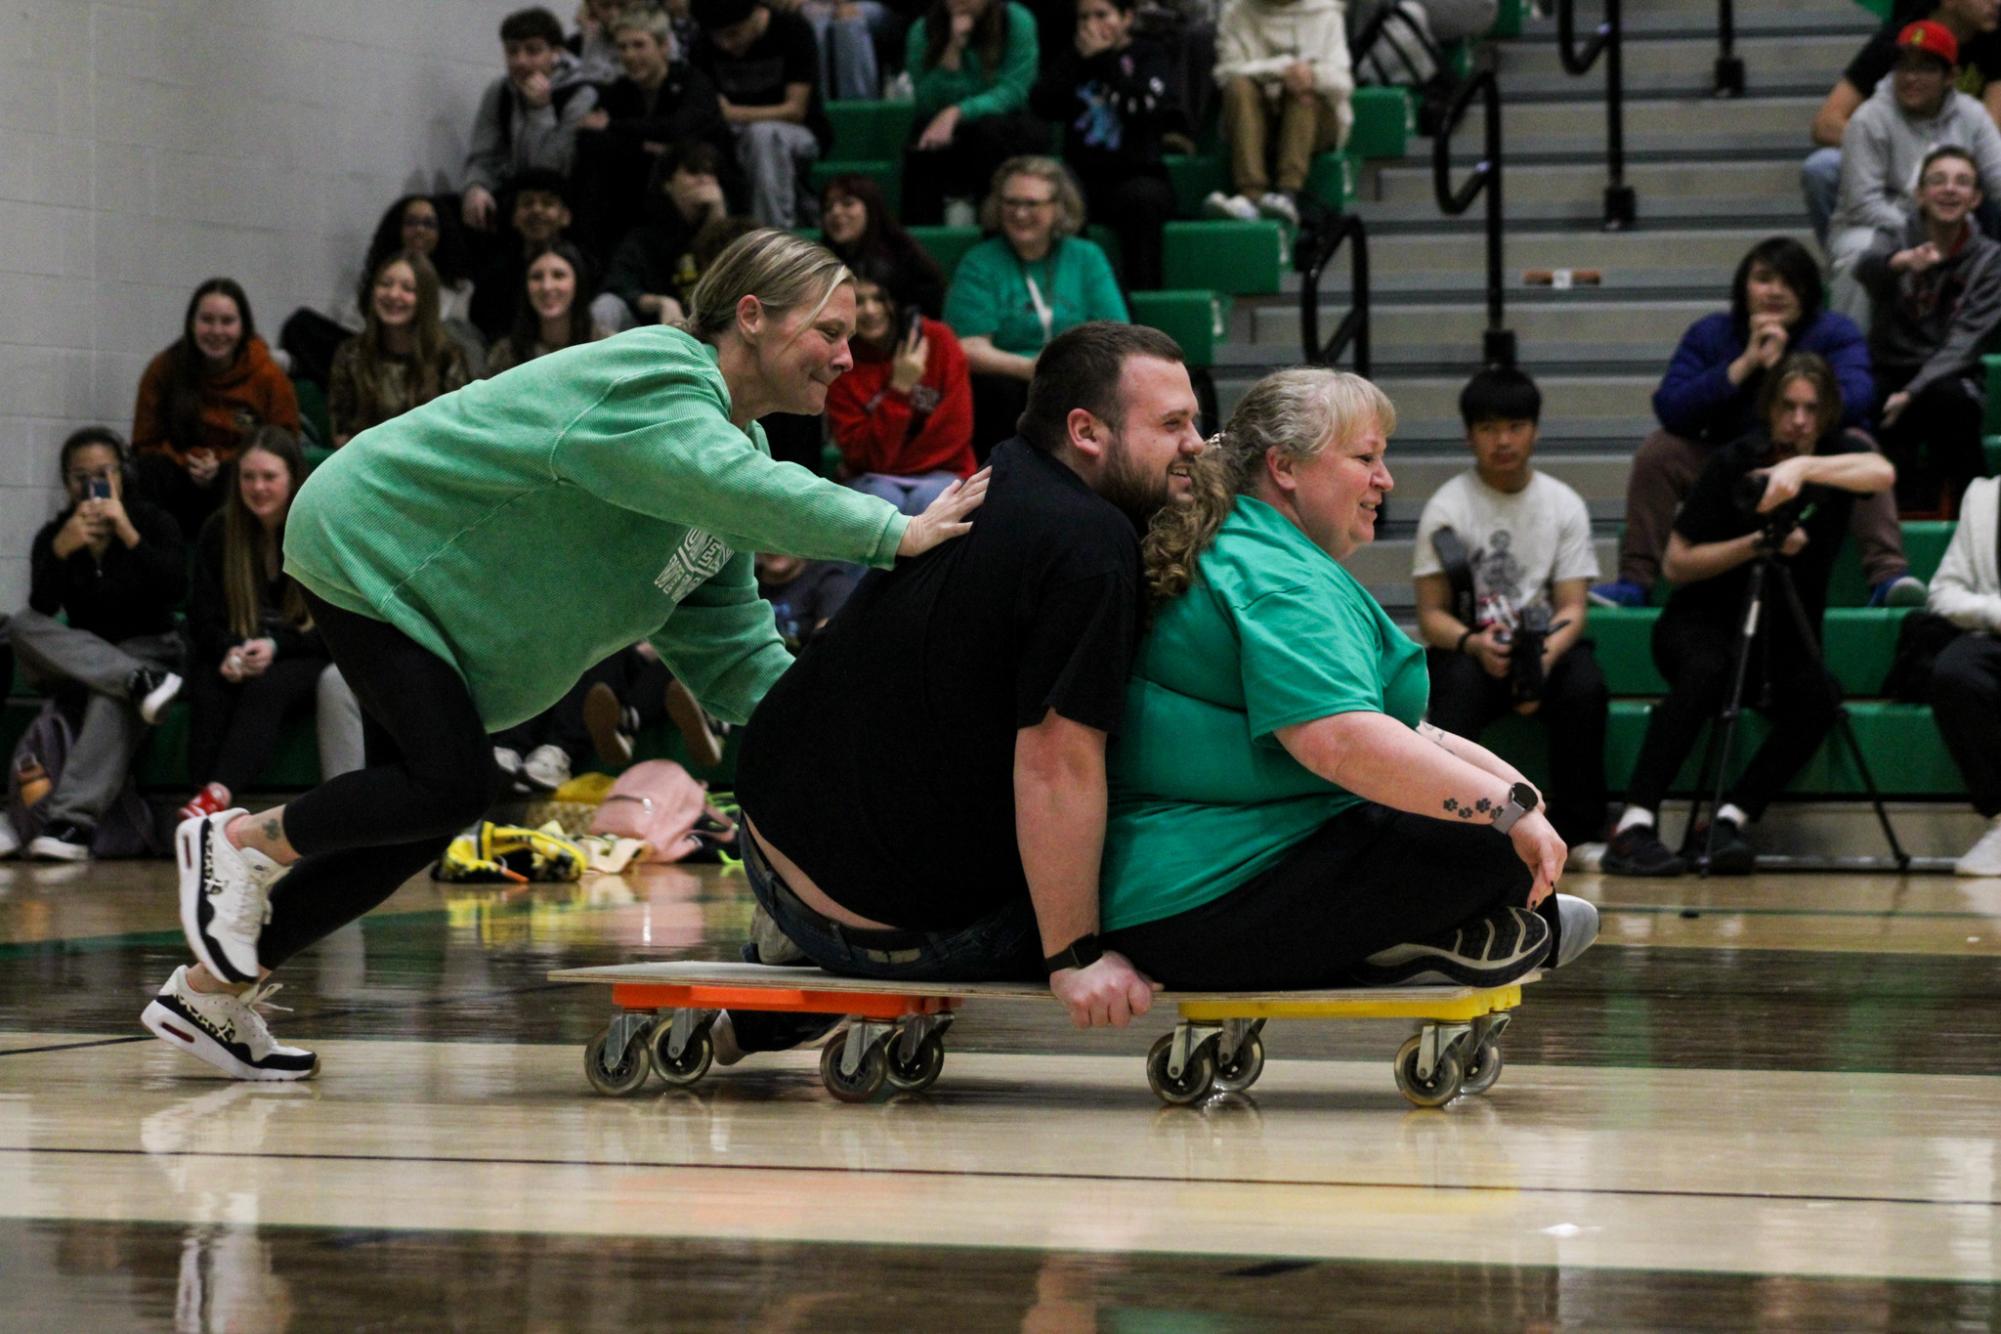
(530, 525)
(990, 296)
(973, 89)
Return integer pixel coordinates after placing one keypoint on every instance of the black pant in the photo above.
(998, 402)
(1464, 699)
(1966, 704)
(1936, 440)
(430, 774)
(965, 167)
(1368, 879)
(167, 484)
(1698, 659)
(236, 726)
(1137, 208)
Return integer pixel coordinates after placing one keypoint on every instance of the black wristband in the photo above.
(1080, 953)
(1460, 647)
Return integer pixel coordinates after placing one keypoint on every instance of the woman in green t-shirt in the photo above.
(467, 561)
(1281, 816)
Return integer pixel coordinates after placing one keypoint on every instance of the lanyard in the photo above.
(1042, 310)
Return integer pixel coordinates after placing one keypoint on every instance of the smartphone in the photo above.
(913, 323)
(100, 488)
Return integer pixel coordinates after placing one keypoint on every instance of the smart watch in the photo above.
(1081, 953)
(1521, 800)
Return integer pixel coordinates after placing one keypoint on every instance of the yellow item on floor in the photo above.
(511, 854)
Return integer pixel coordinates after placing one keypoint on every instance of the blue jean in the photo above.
(1820, 181)
(847, 49)
(1002, 947)
(909, 494)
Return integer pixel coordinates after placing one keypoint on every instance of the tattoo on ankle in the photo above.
(273, 829)
(1467, 811)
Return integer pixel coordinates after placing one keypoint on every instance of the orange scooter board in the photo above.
(895, 1039)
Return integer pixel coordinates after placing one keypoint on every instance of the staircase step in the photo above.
(1652, 118)
(1649, 330)
(1675, 59)
(1581, 184)
(1617, 256)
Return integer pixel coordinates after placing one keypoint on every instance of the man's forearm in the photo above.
(1059, 822)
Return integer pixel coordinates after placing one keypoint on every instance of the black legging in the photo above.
(1936, 441)
(1698, 659)
(965, 167)
(236, 727)
(1368, 879)
(1137, 208)
(1966, 702)
(430, 774)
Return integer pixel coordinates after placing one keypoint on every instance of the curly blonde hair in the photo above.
(1069, 195)
(1297, 412)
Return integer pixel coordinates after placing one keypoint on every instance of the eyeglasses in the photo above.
(1025, 205)
(422, 222)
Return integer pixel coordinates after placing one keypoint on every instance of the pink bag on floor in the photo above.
(658, 802)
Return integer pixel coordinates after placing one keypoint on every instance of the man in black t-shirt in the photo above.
(1812, 473)
(1973, 22)
(766, 66)
(924, 792)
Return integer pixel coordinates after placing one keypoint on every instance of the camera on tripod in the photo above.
(1525, 646)
(1749, 493)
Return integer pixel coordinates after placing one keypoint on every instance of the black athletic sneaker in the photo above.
(736, 1034)
(1733, 853)
(1639, 851)
(62, 841)
(1489, 951)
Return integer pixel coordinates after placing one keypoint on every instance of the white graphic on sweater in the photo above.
(700, 557)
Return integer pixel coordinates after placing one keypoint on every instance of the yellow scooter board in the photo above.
(896, 1031)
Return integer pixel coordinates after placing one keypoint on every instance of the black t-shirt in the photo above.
(1711, 514)
(1979, 59)
(785, 54)
(883, 762)
(814, 595)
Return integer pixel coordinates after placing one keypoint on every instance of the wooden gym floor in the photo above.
(1773, 1102)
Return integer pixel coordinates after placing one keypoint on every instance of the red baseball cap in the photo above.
(1934, 39)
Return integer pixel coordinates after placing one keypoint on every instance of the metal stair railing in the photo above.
(1353, 330)
(1729, 77)
(1498, 344)
(1621, 205)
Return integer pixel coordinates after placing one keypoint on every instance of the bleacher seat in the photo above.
(1241, 258)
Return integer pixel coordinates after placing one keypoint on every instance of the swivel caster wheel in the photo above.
(867, 1078)
(919, 1073)
(618, 1073)
(1197, 1077)
(1243, 1068)
(1483, 1069)
(688, 1068)
(1441, 1088)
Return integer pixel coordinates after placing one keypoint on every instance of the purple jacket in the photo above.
(1697, 401)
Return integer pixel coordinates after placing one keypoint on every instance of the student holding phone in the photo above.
(903, 416)
(632, 467)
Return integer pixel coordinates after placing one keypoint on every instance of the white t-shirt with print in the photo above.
(1520, 544)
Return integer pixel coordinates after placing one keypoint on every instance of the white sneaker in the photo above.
(225, 1030)
(1278, 204)
(546, 768)
(225, 895)
(1984, 857)
(961, 213)
(10, 842)
(1219, 205)
(1576, 928)
(508, 761)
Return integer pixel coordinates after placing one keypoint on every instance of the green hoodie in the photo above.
(527, 526)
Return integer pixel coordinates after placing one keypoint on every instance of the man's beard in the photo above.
(1138, 494)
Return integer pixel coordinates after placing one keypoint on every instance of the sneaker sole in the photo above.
(177, 1031)
(157, 700)
(1433, 968)
(187, 850)
(704, 747)
(1612, 865)
(601, 719)
(55, 850)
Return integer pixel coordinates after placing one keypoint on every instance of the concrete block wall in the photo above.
(146, 145)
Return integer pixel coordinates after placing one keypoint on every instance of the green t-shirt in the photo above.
(974, 89)
(1273, 632)
(991, 296)
(527, 526)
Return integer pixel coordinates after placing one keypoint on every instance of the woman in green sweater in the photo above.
(972, 64)
(468, 560)
(1032, 280)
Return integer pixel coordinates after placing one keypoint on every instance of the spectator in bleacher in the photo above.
(1916, 110)
(1110, 91)
(1966, 676)
(1972, 24)
(528, 118)
(902, 416)
(1281, 814)
(595, 42)
(804, 594)
(846, 32)
(1014, 292)
(1936, 288)
(201, 398)
(766, 67)
(972, 64)
(654, 268)
(415, 223)
(113, 566)
(555, 309)
(402, 357)
(1804, 456)
(256, 656)
(632, 691)
(963, 841)
(660, 101)
(1527, 539)
(1283, 69)
(857, 224)
(538, 211)
(1708, 398)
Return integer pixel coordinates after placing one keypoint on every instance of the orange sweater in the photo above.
(252, 393)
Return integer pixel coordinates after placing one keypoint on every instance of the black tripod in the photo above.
(1767, 569)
